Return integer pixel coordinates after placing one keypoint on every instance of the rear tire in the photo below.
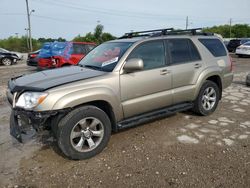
(84, 132)
(208, 98)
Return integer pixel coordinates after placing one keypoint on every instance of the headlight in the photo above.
(29, 100)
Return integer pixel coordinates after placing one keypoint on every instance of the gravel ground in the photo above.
(183, 150)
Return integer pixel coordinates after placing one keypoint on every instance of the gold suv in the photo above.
(120, 84)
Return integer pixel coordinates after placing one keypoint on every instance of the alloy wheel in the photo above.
(209, 98)
(87, 134)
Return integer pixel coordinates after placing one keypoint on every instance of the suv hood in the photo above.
(44, 80)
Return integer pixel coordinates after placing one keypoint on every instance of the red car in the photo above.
(58, 54)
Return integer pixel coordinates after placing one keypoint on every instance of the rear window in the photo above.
(247, 44)
(215, 46)
(244, 41)
(78, 49)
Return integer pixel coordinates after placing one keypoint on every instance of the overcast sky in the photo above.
(68, 18)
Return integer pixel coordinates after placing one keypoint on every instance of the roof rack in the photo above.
(168, 31)
(148, 33)
(194, 31)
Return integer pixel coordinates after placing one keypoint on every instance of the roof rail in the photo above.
(146, 33)
(168, 31)
(194, 31)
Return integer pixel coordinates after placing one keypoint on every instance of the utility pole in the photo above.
(29, 26)
(27, 38)
(187, 23)
(230, 28)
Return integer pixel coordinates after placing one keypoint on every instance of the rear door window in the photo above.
(182, 51)
(79, 49)
(215, 46)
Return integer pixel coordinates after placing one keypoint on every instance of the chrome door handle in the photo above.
(165, 71)
(197, 65)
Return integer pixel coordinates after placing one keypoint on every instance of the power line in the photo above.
(109, 12)
(122, 13)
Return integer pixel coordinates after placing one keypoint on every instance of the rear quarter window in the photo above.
(215, 46)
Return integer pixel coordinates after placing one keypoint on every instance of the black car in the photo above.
(33, 58)
(234, 43)
(7, 58)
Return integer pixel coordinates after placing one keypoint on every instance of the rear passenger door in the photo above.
(185, 66)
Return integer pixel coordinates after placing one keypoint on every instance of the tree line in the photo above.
(98, 36)
(20, 44)
(237, 30)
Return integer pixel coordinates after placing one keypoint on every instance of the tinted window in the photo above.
(244, 41)
(152, 54)
(182, 50)
(214, 46)
(247, 44)
(195, 56)
(79, 49)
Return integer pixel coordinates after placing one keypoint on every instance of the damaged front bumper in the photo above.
(24, 124)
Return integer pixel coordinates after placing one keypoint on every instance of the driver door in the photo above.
(149, 89)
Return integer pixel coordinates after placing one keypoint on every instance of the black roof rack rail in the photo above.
(194, 31)
(157, 32)
(168, 31)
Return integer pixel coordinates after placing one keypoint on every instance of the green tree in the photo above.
(237, 30)
(98, 36)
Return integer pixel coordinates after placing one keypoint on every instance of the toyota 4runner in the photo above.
(119, 84)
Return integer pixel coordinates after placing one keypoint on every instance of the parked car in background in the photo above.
(243, 50)
(234, 43)
(248, 80)
(32, 59)
(59, 54)
(226, 42)
(18, 54)
(8, 58)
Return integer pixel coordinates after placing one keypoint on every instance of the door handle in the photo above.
(197, 65)
(165, 71)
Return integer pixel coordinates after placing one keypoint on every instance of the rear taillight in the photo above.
(231, 63)
(33, 55)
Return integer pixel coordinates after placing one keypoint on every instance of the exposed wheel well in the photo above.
(107, 108)
(216, 79)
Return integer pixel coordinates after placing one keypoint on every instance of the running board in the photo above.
(143, 118)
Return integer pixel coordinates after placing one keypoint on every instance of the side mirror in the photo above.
(133, 64)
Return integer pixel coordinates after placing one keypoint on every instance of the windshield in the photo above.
(247, 44)
(105, 56)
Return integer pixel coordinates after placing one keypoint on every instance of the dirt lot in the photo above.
(183, 150)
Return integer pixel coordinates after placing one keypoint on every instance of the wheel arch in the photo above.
(217, 80)
(212, 75)
(104, 106)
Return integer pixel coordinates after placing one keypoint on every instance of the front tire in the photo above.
(7, 61)
(84, 132)
(208, 98)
